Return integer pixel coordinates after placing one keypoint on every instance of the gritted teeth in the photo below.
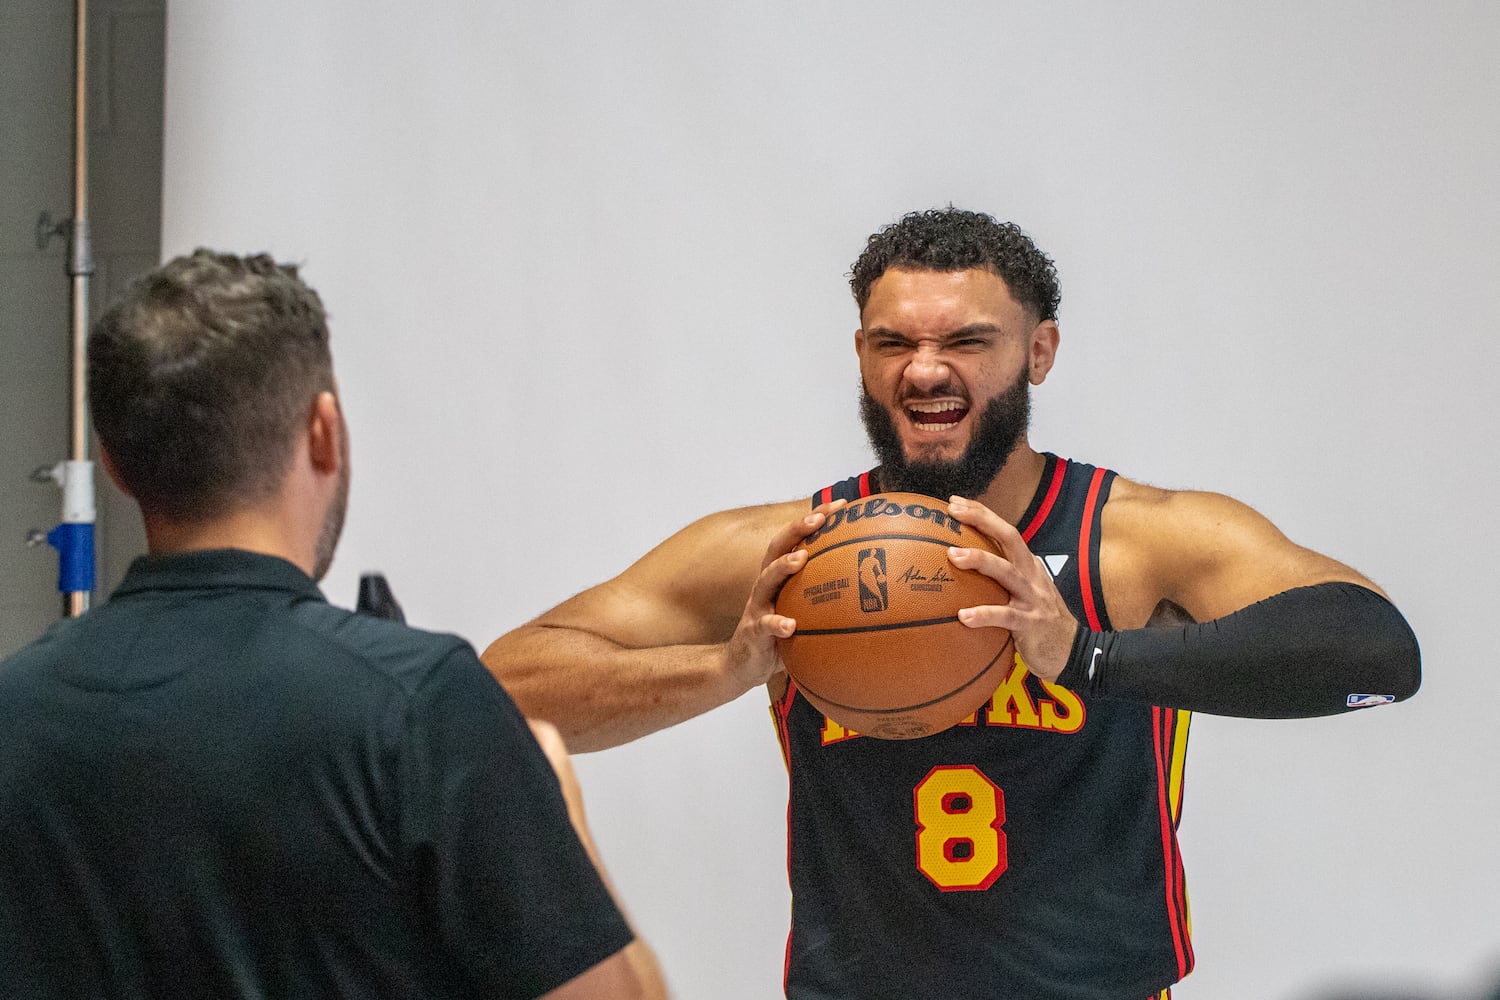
(936, 414)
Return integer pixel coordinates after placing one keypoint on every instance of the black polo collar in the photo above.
(216, 568)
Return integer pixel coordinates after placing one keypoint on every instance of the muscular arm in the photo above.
(1272, 629)
(1278, 630)
(684, 630)
(1208, 554)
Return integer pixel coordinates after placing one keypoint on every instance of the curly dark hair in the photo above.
(199, 378)
(952, 239)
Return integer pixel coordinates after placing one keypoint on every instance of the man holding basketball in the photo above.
(1030, 850)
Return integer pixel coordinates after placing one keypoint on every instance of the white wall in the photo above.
(586, 267)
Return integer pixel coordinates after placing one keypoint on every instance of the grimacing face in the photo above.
(946, 361)
(1000, 427)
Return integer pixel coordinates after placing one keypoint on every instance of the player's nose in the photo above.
(927, 368)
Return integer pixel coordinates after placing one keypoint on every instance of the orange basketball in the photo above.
(879, 647)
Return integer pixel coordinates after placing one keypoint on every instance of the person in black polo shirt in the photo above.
(219, 785)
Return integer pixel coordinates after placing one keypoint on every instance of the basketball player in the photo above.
(217, 784)
(1029, 851)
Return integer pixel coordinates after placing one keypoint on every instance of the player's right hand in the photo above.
(751, 655)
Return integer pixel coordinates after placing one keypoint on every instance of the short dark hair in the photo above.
(952, 239)
(199, 378)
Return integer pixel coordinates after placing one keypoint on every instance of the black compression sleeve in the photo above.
(1317, 650)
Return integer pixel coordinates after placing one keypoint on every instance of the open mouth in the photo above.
(935, 416)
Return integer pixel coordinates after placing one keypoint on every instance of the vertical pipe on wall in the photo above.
(80, 257)
(74, 537)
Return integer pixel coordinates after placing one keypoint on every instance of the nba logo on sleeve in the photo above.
(1368, 700)
(872, 592)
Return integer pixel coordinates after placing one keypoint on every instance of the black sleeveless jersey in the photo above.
(1028, 852)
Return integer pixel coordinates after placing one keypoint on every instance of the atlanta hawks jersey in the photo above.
(1028, 852)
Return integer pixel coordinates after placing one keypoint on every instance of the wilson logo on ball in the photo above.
(896, 663)
(882, 506)
(872, 593)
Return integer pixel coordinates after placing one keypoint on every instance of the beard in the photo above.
(1001, 426)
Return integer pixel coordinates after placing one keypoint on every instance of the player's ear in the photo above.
(859, 341)
(1043, 350)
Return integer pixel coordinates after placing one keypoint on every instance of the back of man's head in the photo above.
(953, 239)
(200, 379)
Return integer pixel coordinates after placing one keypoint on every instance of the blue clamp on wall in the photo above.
(75, 551)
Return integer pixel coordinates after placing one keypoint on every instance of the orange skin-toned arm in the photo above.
(1205, 553)
(687, 628)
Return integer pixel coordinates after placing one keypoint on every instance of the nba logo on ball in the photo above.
(898, 664)
(872, 593)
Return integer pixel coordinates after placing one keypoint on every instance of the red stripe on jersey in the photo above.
(1183, 929)
(779, 712)
(825, 495)
(785, 705)
(864, 484)
(1176, 747)
(1084, 534)
(1059, 470)
(786, 968)
(1161, 725)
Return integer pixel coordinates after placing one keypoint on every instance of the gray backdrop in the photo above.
(586, 267)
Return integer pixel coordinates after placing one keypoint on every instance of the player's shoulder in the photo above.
(1153, 538)
(1161, 523)
(1132, 499)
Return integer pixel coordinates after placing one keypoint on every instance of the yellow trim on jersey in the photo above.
(1178, 761)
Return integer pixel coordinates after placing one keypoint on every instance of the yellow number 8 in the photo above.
(960, 845)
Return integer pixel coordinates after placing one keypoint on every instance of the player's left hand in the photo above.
(1037, 616)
